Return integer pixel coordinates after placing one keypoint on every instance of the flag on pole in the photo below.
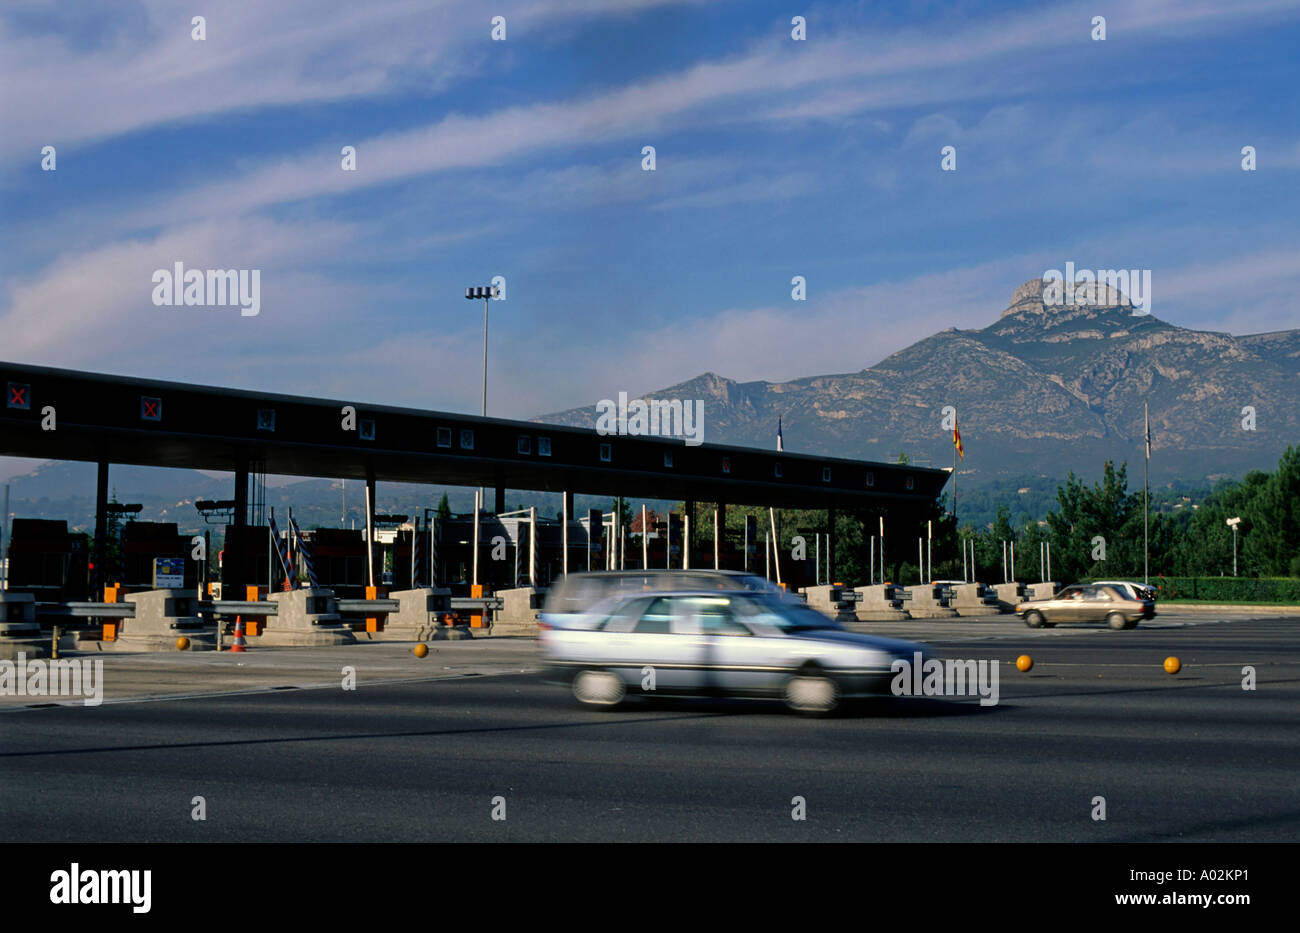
(780, 445)
(305, 550)
(279, 547)
(956, 439)
(1146, 415)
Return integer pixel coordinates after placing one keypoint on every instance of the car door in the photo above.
(616, 644)
(737, 660)
(1069, 606)
(1097, 604)
(667, 639)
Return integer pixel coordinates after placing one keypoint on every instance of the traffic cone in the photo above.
(238, 644)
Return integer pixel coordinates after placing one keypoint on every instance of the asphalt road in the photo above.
(1186, 757)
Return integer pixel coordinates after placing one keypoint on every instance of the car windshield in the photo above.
(787, 615)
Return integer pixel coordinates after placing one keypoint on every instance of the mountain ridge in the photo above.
(1042, 389)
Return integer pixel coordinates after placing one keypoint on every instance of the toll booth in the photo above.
(339, 556)
(48, 561)
(143, 543)
(401, 549)
(244, 558)
(506, 551)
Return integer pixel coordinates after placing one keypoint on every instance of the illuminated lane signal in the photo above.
(18, 395)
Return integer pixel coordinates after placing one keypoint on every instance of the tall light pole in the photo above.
(487, 293)
(1233, 523)
(1146, 496)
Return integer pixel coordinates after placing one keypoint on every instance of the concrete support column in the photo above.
(101, 530)
(565, 517)
(370, 528)
(688, 528)
(722, 533)
(830, 547)
(241, 494)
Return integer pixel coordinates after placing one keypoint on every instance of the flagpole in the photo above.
(1146, 486)
(954, 485)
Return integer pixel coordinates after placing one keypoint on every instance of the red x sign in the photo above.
(150, 408)
(17, 397)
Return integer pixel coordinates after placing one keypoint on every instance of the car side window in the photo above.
(715, 619)
(681, 615)
(657, 618)
(625, 616)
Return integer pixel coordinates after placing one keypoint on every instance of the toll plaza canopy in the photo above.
(60, 414)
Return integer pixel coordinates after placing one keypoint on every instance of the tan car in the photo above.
(1093, 602)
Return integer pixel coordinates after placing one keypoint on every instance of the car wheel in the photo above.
(1034, 619)
(1117, 621)
(599, 688)
(810, 691)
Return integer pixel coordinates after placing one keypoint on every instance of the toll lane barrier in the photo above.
(19, 630)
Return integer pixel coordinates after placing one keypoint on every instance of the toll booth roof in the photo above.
(118, 419)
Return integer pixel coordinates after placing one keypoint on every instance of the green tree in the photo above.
(1106, 511)
(1274, 511)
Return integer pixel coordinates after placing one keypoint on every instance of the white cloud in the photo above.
(641, 110)
(256, 54)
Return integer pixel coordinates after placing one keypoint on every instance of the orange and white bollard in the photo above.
(238, 644)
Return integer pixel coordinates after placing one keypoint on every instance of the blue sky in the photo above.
(522, 158)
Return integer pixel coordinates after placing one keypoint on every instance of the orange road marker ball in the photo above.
(182, 643)
(1172, 665)
(421, 650)
(1024, 662)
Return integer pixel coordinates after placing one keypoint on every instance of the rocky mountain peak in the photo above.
(1086, 295)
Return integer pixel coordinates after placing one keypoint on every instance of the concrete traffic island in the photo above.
(161, 617)
(1009, 595)
(308, 617)
(419, 618)
(19, 630)
(1040, 590)
(974, 599)
(882, 603)
(929, 602)
(829, 600)
(519, 612)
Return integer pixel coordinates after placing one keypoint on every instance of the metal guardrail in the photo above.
(233, 607)
(237, 607)
(86, 610)
(370, 606)
(487, 602)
